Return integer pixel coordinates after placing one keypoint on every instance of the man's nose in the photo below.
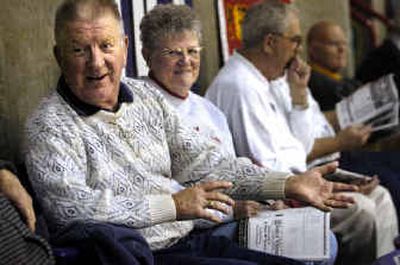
(299, 48)
(342, 48)
(96, 58)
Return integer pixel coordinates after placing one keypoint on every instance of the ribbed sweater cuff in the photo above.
(274, 185)
(162, 208)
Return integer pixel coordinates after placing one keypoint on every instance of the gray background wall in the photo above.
(28, 70)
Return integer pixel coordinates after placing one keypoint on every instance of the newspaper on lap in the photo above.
(298, 233)
(376, 104)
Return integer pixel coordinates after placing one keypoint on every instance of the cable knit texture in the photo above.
(118, 167)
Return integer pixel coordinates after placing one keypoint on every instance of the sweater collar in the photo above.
(85, 109)
(322, 70)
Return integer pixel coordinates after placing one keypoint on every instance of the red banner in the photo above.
(234, 14)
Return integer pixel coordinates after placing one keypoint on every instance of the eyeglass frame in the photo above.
(179, 53)
(296, 39)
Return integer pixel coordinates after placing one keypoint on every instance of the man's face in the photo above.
(330, 48)
(176, 62)
(288, 44)
(91, 55)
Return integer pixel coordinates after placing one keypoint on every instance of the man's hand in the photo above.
(191, 203)
(278, 205)
(12, 189)
(298, 75)
(366, 186)
(312, 188)
(245, 209)
(353, 136)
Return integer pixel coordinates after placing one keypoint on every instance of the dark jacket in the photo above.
(381, 61)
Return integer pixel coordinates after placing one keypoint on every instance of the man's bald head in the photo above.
(319, 30)
(327, 46)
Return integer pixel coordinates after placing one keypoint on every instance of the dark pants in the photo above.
(112, 244)
(201, 248)
(101, 244)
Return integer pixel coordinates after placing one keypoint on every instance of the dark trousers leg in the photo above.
(201, 248)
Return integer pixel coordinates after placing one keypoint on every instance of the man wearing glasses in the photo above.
(243, 90)
(273, 124)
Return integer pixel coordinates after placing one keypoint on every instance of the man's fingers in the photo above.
(219, 207)
(208, 215)
(27, 212)
(327, 168)
(367, 187)
(337, 187)
(31, 220)
(375, 179)
(253, 204)
(342, 197)
(335, 201)
(322, 206)
(339, 201)
(337, 204)
(246, 208)
(213, 185)
(294, 63)
(367, 129)
(218, 196)
(365, 137)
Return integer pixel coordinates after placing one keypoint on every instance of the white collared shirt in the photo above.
(306, 128)
(259, 129)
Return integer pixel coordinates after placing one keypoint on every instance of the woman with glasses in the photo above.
(171, 38)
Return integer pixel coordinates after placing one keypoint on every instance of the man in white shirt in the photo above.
(243, 90)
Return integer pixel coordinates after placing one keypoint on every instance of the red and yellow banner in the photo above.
(235, 11)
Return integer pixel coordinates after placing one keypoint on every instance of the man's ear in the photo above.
(57, 55)
(312, 51)
(126, 47)
(269, 43)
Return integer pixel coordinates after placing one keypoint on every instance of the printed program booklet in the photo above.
(298, 233)
(375, 103)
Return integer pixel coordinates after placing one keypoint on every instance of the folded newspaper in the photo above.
(298, 233)
(375, 103)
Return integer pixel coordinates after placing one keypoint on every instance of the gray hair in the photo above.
(71, 10)
(269, 16)
(167, 20)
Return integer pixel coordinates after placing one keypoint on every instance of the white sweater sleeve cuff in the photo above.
(162, 209)
(274, 185)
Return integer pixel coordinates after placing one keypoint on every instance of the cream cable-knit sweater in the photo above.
(117, 167)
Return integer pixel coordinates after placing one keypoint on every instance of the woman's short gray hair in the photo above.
(269, 16)
(167, 20)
